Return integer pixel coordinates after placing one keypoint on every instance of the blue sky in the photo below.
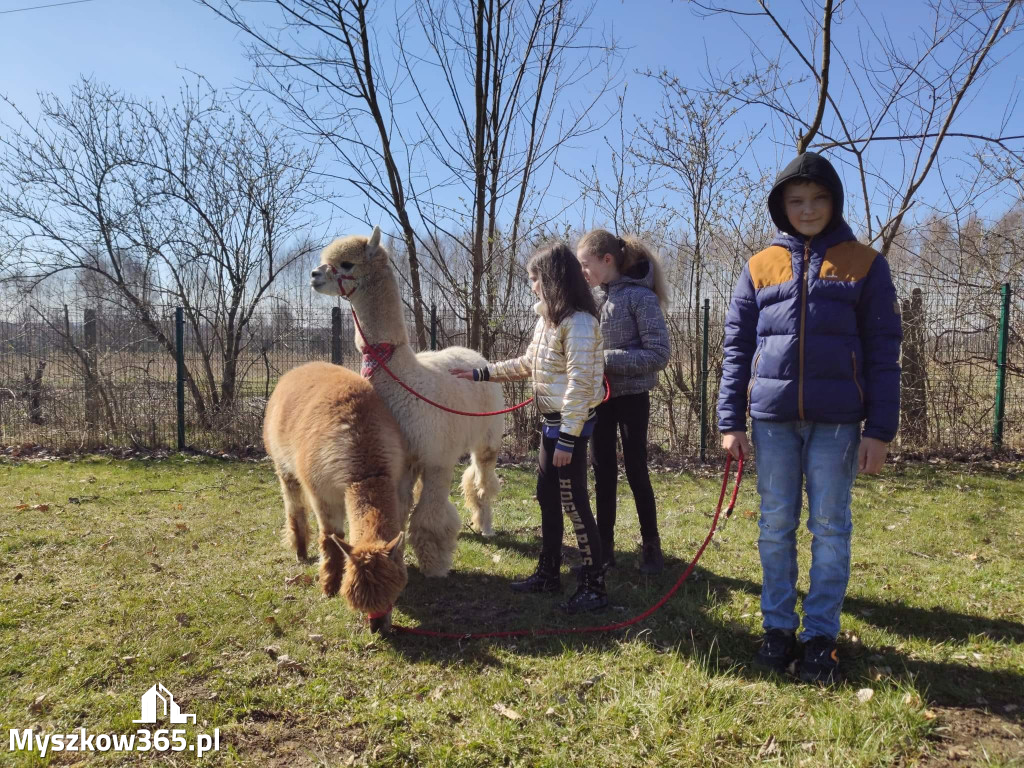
(144, 46)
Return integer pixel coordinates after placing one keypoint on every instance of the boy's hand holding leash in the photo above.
(737, 444)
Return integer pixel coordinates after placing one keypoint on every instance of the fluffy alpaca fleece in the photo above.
(436, 439)
(337, 449)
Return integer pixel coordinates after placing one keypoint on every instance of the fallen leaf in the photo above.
(183, 619)
(864, 695)
(21, 507)
(272, 651)
(929, 714)
(41, 507)
(504, 711)
(37, 706)
(106, 543)
(285, 664)
(316, 638)
(18, 577)
(768, 748)
(181, 526)
(302, 578)
(156, 567)
(186, 656)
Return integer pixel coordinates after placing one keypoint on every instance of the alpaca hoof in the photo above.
(381, 624)
(487, 532)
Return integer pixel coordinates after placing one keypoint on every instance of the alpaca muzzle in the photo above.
(380, 621)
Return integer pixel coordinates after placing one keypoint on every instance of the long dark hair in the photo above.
(562, 283)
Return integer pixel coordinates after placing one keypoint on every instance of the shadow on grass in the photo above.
(942, 683)
(474, 602)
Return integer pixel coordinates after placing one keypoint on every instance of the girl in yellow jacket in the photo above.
(566, 360)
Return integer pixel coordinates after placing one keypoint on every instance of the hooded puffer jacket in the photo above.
(813, 331)
(566, 362)
(636, 344)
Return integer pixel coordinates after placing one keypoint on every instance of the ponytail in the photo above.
(627, 251)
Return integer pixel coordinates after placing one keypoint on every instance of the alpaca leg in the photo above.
(434, 526)
(296, 519)
(331, 517)
(480, 484)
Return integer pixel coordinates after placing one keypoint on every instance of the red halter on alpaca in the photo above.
(341, 283)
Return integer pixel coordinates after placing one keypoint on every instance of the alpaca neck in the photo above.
(378, 307)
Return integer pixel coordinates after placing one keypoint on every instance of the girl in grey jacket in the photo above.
(631, 296)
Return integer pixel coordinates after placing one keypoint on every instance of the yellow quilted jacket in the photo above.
(567, 365)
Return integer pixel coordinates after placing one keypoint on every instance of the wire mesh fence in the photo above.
(84, 376)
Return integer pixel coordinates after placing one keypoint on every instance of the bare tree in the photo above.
(187, 204)
(886, 94)
(320, 59)
(521, 80)
(687, 140)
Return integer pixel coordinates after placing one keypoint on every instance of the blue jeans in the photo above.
(826, 454)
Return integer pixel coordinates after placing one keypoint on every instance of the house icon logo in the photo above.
(159, 697)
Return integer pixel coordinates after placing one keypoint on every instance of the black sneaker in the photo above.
(820, 663)
(590, 595)
(545, 579)
(778, 650)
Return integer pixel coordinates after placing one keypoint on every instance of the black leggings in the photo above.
(564, 489)
(629, 415)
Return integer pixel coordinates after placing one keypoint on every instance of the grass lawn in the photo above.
(118, 574)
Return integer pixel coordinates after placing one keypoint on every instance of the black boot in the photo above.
(652, 562)
(545, 579)
(607, 561)
(590, 593)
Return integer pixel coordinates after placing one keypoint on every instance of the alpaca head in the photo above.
(349, 265)
(375, 576)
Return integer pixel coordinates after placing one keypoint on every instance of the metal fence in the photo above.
(85, 377)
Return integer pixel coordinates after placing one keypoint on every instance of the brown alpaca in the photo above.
(337, 449)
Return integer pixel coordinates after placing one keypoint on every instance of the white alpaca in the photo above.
(357, 268)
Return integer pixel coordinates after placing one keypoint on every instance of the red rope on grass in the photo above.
(380, 361)
(604, 627)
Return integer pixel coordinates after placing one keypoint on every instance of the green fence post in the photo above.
(336, 335)
(704, 385)
(1004, 342)
(179, 338)
(433, 326)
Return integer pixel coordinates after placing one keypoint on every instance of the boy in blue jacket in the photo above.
(812, 345)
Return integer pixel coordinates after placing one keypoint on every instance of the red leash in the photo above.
(617, 625)
(380, 361)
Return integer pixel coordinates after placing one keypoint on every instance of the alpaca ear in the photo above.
(394, 547)
(344, 545)
(373, 244)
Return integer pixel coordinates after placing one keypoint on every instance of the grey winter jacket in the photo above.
(636, 344)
